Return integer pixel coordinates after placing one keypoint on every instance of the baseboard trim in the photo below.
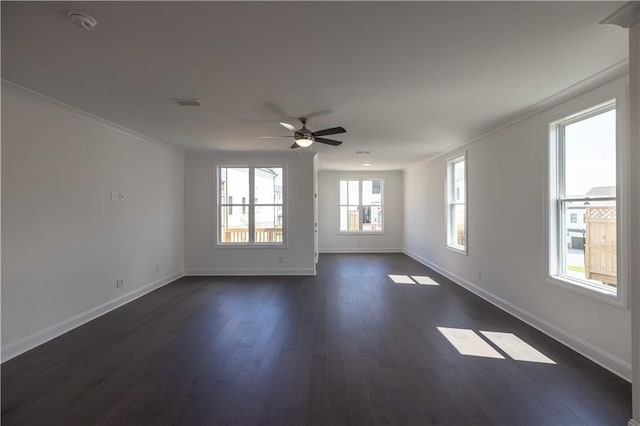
(13, 349)
(612, 363)
(247, 272)
(360, 250)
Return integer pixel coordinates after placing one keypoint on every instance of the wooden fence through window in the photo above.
(600, 245)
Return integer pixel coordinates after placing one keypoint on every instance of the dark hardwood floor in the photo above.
(348, 346)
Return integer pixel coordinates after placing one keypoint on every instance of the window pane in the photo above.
(456, 231)
(371, 192)
(353, 218)
(268, 222)
(589, 245)
(354, 192)
(377, 187)
(268, 185)
(590, 156)
(234, 225)
(234, 184)
(343, 193)
(372, 218)
(458, 182)
(457, 225)
(344, 217)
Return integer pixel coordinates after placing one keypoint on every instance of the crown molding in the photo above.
(24, 93)
(625, 17)
(200, 153)
(605, 76)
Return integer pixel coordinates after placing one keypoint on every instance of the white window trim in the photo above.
(613, 92)
(251, 166)
(383, 231)
(447, 208)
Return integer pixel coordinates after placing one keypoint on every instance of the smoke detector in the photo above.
(82, 19)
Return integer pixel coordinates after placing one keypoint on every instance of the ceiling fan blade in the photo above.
(288, 126)
(274, 137)
(331, 131)
(318, 113)
(329, 141)
(273, 107)
(295, 145)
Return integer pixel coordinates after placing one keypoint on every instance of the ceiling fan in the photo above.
(304, 137)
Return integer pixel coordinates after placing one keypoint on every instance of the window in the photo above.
(583, 184)
(361, 205)
(456, 204)
(258, 221)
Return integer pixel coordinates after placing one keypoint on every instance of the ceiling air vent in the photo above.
(186, 101)
(363, 152)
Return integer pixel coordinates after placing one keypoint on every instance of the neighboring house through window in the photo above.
(361, 205)
(259, 218)
(583, 185)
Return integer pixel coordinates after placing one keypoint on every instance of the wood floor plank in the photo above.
(345, 347)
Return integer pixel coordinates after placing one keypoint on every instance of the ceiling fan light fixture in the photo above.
(304, 137)
(304, 142)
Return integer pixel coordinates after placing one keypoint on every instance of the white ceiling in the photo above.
(405, 79)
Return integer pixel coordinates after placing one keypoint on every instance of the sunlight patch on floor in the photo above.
(424, 280)
(413, 279)
(402, 279)
(467, 342)
(516, 348)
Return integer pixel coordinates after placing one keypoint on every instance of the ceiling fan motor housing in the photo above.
(304, 137)
(303, 134)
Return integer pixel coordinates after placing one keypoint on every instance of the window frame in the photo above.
(449, 205)
(250, 206)
(361, 206)
(612, 96)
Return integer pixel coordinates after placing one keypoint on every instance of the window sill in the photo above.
(457, 249)
(594, 292)
(250, 246)
(361, 233)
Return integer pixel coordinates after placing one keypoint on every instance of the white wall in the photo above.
(203, 257)
(330, 240)
(506, 235)
(64, 241)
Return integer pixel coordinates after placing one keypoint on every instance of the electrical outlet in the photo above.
(157, 268)
(121, 196)
(479, 273)
(281, 259)
(119, 283)
(114, 195)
